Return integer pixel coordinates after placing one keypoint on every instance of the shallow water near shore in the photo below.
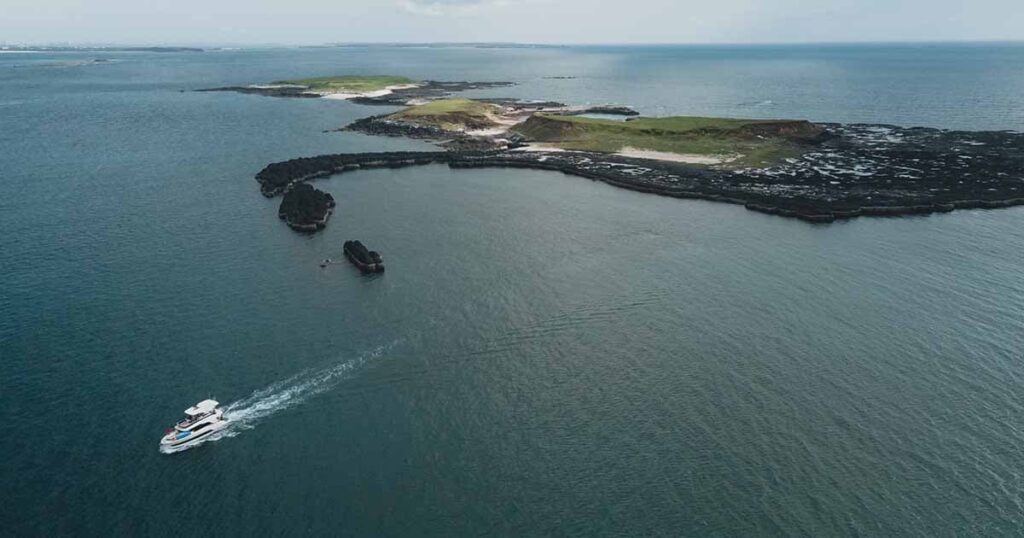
(545, 355)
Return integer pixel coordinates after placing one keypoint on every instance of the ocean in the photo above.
(545, 355)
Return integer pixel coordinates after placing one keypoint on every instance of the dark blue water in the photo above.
(546, 355)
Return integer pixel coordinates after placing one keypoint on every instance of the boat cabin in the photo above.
(198, 412)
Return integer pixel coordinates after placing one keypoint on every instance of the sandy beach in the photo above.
(377, 93)
(689, 158)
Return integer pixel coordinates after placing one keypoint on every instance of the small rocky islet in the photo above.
(305, 208)
(818, 172)
(366, 260)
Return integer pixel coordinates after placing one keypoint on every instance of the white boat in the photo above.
(201, 421)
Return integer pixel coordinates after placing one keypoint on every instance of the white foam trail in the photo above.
(246, 413)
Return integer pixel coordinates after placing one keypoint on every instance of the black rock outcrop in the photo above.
(384, 126)
(268, 91)
(368, 261)
(610, 110)
(304, 208)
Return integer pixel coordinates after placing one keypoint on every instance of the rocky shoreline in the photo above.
(860, 170)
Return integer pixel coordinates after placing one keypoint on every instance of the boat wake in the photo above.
(246, 414)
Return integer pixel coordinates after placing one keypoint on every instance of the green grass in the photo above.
(682, 134)
(349, 83)
(671, 124)
(448, 106)
(450, 114)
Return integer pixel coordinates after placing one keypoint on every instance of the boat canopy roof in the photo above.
(201, 408)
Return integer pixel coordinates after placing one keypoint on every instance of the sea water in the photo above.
(545, 355)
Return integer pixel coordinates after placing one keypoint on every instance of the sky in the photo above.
(305, 22)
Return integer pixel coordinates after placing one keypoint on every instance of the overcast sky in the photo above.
(534, 21)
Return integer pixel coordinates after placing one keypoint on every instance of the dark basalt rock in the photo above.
(305, 209)
(280, 91)
(450, 140)
(367, 261)
(382, 126)
(854, 170)
(469, 144)
(610, 110)
(276, 178)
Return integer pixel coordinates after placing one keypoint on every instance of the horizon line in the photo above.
(194, 44)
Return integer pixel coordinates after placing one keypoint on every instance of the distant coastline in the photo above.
(9, 49)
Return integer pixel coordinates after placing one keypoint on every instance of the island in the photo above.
(817, 172)
(363, 89)
(368, 261)
(305, 208)
(473, 124)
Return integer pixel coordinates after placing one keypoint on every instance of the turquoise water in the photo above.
(545, 355)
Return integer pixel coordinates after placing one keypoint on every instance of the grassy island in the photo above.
(349, 83)
(693, 140)
(743, 142)
(811, 171)
(387, 90)
(452, 114)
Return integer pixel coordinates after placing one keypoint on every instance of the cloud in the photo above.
(448, 7)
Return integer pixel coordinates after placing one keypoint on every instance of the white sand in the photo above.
(274, 86)
(344, 96)
(494, 131)
(541, 147)
(376, 93)
(505, 119)
(689, 158)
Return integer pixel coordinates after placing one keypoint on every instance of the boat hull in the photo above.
(171, 443)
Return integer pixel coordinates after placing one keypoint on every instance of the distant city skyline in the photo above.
(311, 22)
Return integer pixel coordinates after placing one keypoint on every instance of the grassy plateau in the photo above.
(451, 114)
(349, 83)
(745, 142)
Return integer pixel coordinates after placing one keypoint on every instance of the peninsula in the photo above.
(818, 172)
